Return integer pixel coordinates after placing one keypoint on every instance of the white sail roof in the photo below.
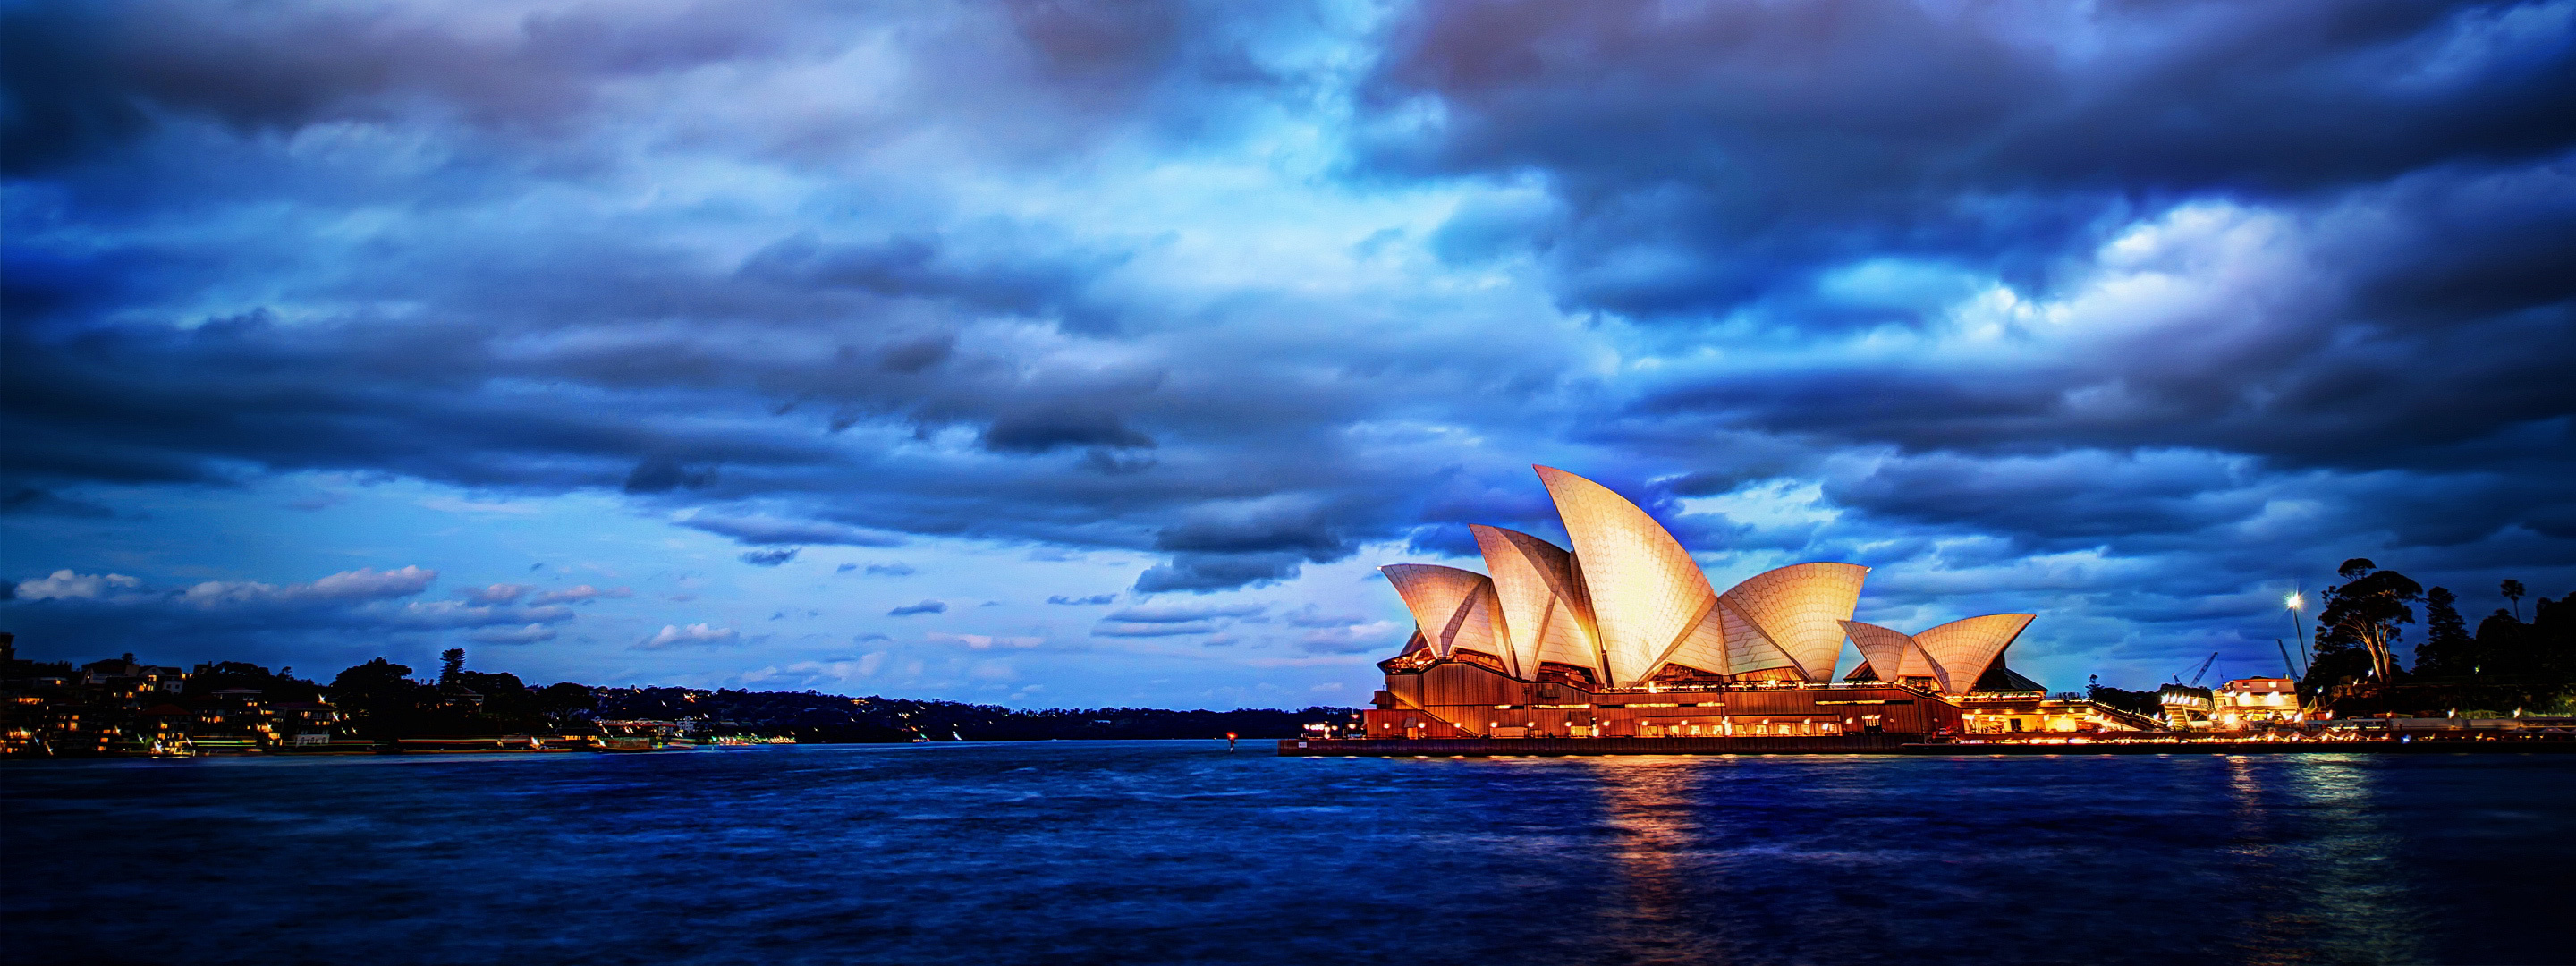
(1703, 648)
(1747, 648)
(1454, 609)
(1645, 590)
(1543, 616)
(1953, 655)
(1891, 654)
(1801, 608)
(1961, 650)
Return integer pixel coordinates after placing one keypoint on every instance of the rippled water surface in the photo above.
(1181, 852)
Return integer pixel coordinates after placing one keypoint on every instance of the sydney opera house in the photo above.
(1622, 636)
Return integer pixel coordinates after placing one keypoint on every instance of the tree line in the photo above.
(2362, 626)
(381, 700)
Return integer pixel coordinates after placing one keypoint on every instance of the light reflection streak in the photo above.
(2328, 884)
(1654, 804)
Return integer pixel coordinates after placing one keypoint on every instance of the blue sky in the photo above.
(1077, 354)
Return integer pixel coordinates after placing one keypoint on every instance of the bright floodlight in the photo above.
(2294, 602)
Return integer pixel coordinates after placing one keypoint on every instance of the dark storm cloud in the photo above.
(2034, 295)
(30, 500)
(2313, 360)
(350, 609)
(1713, 153)
(758, 530)
(571, 353)
(1003, 279)
(90, 78)
(1203, 572)
(769, 558)
(1735, 158)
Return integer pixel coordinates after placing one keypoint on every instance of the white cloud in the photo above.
(493, 593)
(66, 585)
(982, 642)
(1128, 629)
(530, 634)
(435, 614)
(580, 594)
(695, 635)
(346, 587)
(1177, 613)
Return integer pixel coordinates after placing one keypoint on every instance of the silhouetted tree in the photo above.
(2513, 591)
(2448, 650)
(2553, 638)
(561, 702)
(451, 662)
(226, 675)
(2364, 612)
(2500, 643)
(381, 699)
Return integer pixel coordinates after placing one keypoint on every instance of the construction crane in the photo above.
(2198, 671)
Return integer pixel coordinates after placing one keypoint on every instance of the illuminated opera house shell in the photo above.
(1627, 608)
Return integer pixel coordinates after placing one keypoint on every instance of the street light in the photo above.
(2297, 602)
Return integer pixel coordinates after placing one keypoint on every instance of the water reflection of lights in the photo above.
(1652, 802)
(2337, 891)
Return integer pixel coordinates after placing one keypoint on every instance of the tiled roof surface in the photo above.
(1646, 590)
(1801, 608)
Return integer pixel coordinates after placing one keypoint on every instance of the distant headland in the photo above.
(124, 707)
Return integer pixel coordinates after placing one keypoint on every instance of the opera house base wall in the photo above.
(1445, 699)
(1883, 745)
(1863, 744)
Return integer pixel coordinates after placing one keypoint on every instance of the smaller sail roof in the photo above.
(1800, 608)
(1891, 654)
(1453, 609)
(1962, 649)
(1954, 655)
(1542, 614)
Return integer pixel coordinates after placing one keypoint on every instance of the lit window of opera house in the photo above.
(1622, 636)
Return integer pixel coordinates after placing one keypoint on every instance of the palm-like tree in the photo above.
(2513, 592)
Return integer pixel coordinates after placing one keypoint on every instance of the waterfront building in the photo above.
(2186, 708)
(2256, 702)
(1622, 635)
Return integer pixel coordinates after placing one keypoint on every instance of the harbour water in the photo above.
(1180, 852)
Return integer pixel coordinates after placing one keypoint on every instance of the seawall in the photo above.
(1882, 744)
